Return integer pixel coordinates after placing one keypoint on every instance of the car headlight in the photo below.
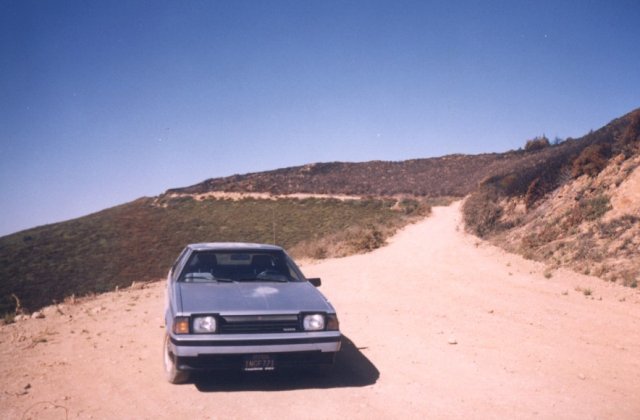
(204, 324)
(313, 322)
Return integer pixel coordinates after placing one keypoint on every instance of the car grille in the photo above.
(259, 324)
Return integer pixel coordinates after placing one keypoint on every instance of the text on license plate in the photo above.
(256, 362)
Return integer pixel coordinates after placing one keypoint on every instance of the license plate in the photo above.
(258, 362)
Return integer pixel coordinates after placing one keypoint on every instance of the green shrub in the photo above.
(537, 143)
(595, 208)
(535, 192)
(366, 239)
(614, 227)
(591, 161)
(630, 139)
(8, 318)
(549, 233)
(588, 209)
(481, 212)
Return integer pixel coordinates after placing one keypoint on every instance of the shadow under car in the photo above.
(351, 369)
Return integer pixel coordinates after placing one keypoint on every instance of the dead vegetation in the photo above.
(453, 175)
(361, 239)
(580, 208)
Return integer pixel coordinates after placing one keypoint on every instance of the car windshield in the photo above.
(232, 267)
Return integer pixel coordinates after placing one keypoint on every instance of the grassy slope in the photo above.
(138, 241)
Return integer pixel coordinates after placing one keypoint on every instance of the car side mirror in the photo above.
(315, 281)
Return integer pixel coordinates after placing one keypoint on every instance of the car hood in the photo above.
(250, 298)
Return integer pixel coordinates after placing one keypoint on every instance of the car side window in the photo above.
(293, 271)
(176, 264)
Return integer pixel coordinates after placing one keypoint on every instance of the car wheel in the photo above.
(172, 373)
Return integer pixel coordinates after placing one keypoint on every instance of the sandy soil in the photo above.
(437, 325)
(262, 196)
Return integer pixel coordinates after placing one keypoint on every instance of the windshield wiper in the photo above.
(266, 279)
(208, 278)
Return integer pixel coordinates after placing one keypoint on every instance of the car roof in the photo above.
(232, 246)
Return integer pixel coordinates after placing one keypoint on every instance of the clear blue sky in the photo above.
(102, 102)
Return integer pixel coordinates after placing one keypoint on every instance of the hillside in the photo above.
(453, 175)
(580, 211)
(139, 241)
(447, 176)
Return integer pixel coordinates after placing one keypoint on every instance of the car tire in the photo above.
(171, 371)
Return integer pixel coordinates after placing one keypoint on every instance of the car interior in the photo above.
(207, 266)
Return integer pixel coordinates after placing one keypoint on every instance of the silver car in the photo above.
(244, 306)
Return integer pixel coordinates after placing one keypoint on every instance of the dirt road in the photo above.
(437, 325)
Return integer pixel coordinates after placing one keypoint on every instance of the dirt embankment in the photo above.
(591, 224)
(437, 325)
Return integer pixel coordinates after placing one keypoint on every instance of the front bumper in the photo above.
(194, 345)
(204, 352)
